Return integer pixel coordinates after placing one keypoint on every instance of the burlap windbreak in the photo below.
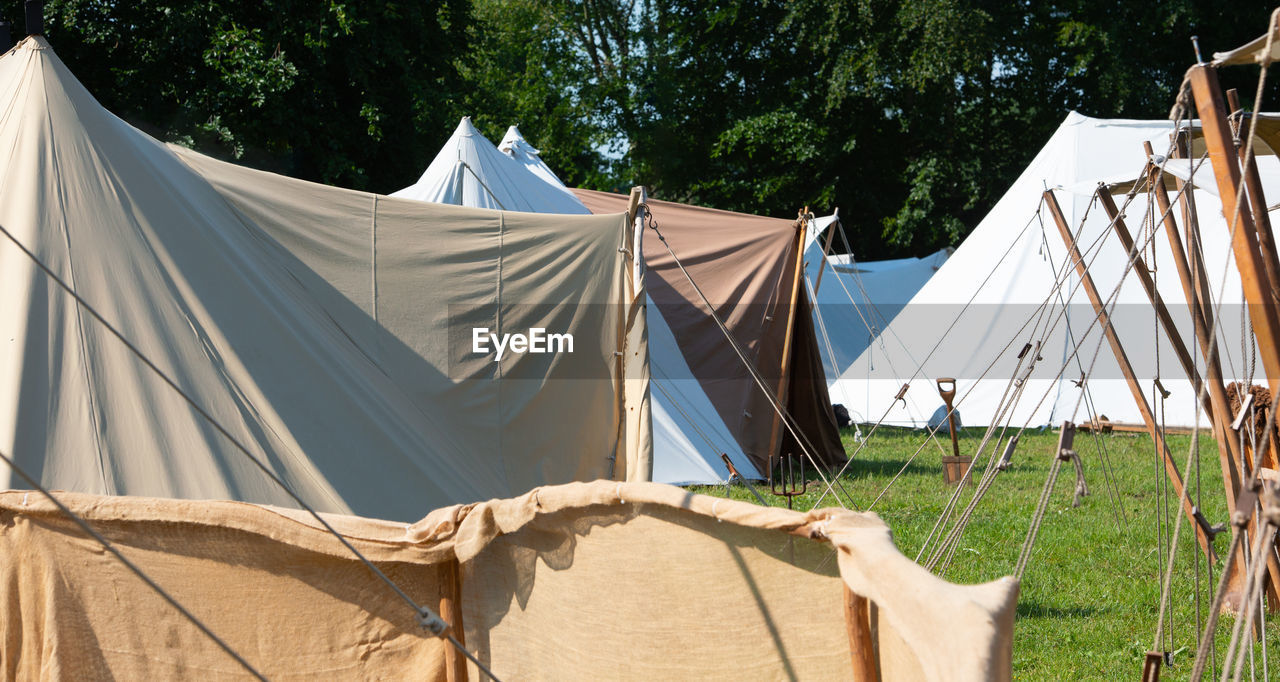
(582, 581)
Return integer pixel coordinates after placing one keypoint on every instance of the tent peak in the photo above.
(513, 141)
(466, 128)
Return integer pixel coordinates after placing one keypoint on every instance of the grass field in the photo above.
(1090, 595)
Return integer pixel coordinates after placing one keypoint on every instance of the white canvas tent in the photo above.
(323, 328)
(515, 146)
(470, 171)
(854, 301)
(688, 434)
(1005, 269)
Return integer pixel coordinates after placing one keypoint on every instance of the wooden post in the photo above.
(857, 621)
(1249, 259)
(1220, 411)
(775, 438)
(1195, 252)
(1148, 285)
(1252, 242)
(1099, 307)
(455, 664)
(1257, 204)
(826, 250)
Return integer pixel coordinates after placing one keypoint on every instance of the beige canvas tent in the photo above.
(602, 580)
(300, 319)
(747, 266)
(330, 331)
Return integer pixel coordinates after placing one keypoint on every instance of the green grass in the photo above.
(1090, 595)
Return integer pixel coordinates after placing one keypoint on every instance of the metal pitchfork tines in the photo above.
(787, 476)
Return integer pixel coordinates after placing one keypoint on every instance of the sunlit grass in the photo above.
(1090, 596)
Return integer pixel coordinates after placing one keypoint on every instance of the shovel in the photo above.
(953, 467)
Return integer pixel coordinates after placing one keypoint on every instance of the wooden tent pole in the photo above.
(1249, 259)
(857, 621)
(1099, 307)
(1195, 251)
(775, 437)
(1143, 273)
(1220, 411)
(826, 251)
(455, 664)
(1254, 251)
(1257, 205)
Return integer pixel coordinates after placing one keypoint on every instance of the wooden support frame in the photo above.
(1254, 248)
(1143, 273)
(1250, 260)
(1215, 403)
(862, 650)
(1099, 306)
(1220, 416)
(455, 664)
(826, 251)
(1257, 204)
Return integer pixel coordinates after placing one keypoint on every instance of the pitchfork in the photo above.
(785, 478)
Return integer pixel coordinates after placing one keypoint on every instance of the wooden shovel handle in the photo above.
(949, 392)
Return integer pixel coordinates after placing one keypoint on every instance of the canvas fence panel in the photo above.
(595, 580)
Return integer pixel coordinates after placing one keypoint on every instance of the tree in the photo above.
(351, 94)
(913, 116)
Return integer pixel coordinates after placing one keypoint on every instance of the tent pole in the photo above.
(826, 252)
(857, 621)
(1086, 280)
(635, 428)
(455, 665)
(1215, 403)
(775, 436)
(1148, 285)
(1257, 204)
(35, 17)
(1220, 414)
(1258, 290)
(1253, 243)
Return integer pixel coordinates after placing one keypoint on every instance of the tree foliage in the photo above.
(912, 116)
(338, 92)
